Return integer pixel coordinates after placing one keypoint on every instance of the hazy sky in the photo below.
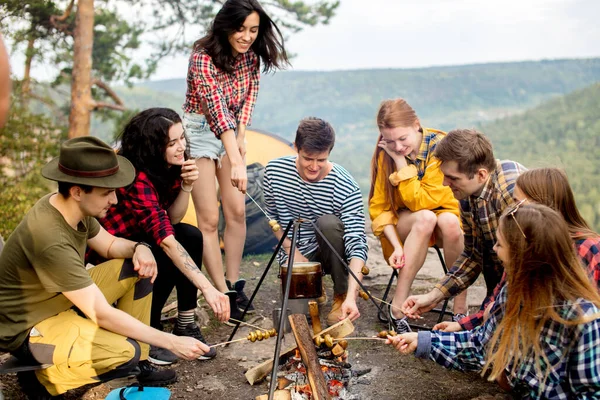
(419, 33)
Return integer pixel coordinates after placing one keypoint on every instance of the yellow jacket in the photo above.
(418, 187)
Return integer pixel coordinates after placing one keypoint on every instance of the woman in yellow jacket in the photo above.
(408, 203)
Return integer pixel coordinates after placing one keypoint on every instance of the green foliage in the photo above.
(27, 142)
(443, 97)
(565, 133)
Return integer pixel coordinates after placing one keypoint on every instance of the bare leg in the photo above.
(204, 195)
(451, 239)
(234, 210)
(415, 230)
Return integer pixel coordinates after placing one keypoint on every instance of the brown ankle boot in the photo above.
(336, 309)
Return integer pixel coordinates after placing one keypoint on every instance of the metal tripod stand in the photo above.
(288, 280)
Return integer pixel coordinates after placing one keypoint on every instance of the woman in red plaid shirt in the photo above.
(222, 86)
(151, 209)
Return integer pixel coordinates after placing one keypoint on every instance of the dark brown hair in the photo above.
(268, 46)
(314, 135)
(470, 149)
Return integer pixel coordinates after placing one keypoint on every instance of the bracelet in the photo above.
(187, 191)
(141, 244)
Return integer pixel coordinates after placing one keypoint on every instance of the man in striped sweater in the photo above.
(311, 187)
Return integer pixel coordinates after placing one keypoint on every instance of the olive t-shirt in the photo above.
(42, 258)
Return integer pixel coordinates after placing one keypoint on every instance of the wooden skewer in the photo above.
(358, 338)
(250, 325)
(389, 304)
(231, 341)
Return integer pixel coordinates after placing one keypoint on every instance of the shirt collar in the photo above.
(488, 188)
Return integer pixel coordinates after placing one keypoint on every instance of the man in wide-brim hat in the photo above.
(53, 310)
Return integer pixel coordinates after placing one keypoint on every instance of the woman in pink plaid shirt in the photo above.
(222, 86)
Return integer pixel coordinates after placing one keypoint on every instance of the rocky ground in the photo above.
(392, 376)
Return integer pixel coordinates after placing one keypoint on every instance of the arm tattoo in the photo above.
(188, 263)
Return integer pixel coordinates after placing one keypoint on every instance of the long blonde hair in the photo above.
(392, 114)
(542, 272)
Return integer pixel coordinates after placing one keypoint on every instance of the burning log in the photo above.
(309, 357)
(339, 330)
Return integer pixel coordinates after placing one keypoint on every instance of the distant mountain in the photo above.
(564, 132)
(444, 98)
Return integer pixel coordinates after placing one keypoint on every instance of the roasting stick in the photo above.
(358, 338)
(250, 325)
(365, 296)
(231, 341)
(273, 223)
(252, 337)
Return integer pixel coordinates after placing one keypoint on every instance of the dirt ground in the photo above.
(393, 376)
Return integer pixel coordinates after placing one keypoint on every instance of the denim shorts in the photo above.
(203, 142)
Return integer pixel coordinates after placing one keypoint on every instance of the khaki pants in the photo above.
(81, 352)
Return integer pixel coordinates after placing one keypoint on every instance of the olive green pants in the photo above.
(81, 352)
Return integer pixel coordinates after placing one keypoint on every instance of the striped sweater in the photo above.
(288, 196)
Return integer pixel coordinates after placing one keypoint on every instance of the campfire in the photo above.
(317, 369)
(338, 373)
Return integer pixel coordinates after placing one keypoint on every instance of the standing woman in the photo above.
(410, 208)
(150, 210)
(222, 87)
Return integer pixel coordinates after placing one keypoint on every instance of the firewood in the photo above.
(303, 336)
(340, 330)
(313, 308)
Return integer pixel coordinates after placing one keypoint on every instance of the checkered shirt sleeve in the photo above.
(138, 211)
(223, 98)
(589, 253)
(573, 353)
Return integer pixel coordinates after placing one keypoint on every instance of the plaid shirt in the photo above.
(141, 211)
(225, 99)
(573, 353)
(588, 251)
(480, 216)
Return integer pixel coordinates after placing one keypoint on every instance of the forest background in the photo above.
(540, 113)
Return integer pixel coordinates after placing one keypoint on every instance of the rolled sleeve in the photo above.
(149, 215)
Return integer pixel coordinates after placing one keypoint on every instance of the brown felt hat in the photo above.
(89, 161)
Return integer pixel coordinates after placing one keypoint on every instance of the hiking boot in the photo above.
(192, 330)
(336, 309)
(323, 298)
(399, 325)
(160, 356)
(32, 387)
(235, 312)
(152, 376)
(241, 299)
(457, 317)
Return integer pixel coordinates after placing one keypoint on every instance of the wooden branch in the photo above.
(58, 21)
(109, 91)
(61, 18)
(100, 104)
(316, 379)
(258, 373)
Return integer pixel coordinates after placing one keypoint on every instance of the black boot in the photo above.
(241, 300)
(235, 313)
